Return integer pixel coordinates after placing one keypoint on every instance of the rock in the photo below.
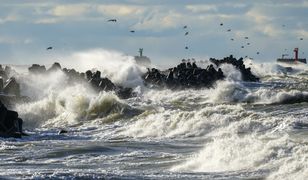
(62, 131)
(55, 67)
(37, 69)
(10, 123)
(12, 87)
(239, 64)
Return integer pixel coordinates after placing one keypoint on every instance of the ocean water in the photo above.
(236, 130)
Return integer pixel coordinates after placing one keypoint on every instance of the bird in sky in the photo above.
(185, 27)
(229, 30)
(248, 43)
(258, 52)
(242, 46)
(221, 24)
(49, 48)
(186, 33)
(246, 37)
(112, 20)
(132, 31)
(232, 39)
(301, 39)
(186, 47)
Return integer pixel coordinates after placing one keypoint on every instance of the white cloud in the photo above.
(258, 17)
(9, 18)
(302, 33)
(71, 10)
(160, 21)
(201, 8)
(117, 10)
(47, 21)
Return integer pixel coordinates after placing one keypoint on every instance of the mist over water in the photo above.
(234, 130)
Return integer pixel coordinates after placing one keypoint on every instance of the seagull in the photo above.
(229, 30)
(221, 24)
(258, 52)
(49, 48)
(186, 33)
(112, 20)
(186, 47)
(132, 31)
(242, 46)
(185, 27)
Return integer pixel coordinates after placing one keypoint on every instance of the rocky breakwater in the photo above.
(92, 77)
(189, 75)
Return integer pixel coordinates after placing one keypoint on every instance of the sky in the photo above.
(273, 28)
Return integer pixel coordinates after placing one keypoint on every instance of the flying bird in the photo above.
(49, 48)
(242, 46)
(132, 31)
(186, 33)
(248, 43)
(112, 20)
(186, 47)
(185, 27)
(229, 30)
(258, 52)
(246, 37)
(232, 39)
(301, 39)
(221, 24)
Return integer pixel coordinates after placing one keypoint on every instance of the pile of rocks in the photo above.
(239, 64)
(93, 78)
(189, 75)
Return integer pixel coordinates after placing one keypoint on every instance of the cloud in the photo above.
(302, 33)
(159, 21)
(117, 10)
(46, 21)
(14, 40)
(258, 17)
(201, 8)
(9, 18)
(71, 10)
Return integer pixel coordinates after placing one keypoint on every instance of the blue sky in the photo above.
(273, 27)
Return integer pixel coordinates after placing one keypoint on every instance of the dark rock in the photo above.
(37, 69)
(10, 123)
(239, 64)
(12, 87)
(55, 67)
(62, 131)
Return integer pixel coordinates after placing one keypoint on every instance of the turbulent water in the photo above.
(236, 130)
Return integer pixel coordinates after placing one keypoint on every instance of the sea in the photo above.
(234, 130)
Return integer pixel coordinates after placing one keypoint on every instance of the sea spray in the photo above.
(120, 68)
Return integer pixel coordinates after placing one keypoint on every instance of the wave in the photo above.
(70, 106)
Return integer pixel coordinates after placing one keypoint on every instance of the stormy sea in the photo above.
(233, 130)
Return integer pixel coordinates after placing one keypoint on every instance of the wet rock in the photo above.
(187, 75)
(10, 123)
(12, 87)
(37, 69)
(62, 131)
(55, 67)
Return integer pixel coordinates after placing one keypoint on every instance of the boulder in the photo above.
(10, 123)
